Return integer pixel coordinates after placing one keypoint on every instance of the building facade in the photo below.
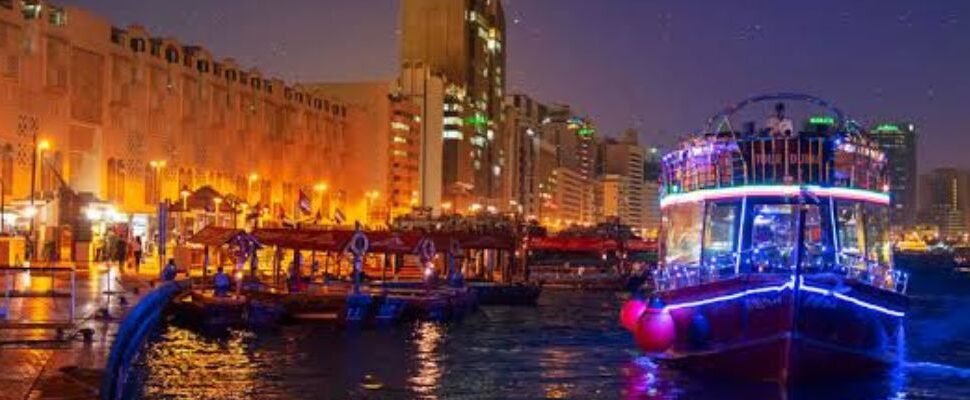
(623, 165)
(945, 197)
(381, 174)
(900, 142)
(132, 118)
(465, 41)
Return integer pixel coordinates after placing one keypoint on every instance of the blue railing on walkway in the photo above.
(131, 335)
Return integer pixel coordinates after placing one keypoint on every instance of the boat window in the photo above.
(683, 227)
(818, 251)
(719, 236)
(773, 237)
(878, 247)
(851, 237)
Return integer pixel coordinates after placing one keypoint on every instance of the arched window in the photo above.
(171, 55)
(202, 66)
(137, 45)
(116, 180)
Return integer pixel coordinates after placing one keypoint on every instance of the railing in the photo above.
(130, 338)
(10, 289)
(725, 161)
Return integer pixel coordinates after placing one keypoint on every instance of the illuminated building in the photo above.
(574, 138)
(899, 141)
(465, 41)
(531, 157)
(622, 164)
(132, 118)
(382, 147)
(945, 201)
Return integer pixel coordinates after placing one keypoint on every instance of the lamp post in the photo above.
(218, 202)
(322, 189)
(39, 147)
(370, 197)
(185, 192)
(253, 178)
(157, 166)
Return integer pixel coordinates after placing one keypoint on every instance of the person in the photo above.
(778, 125)
(170, 271)
(222, 282)
(137, 249)
(121, 252)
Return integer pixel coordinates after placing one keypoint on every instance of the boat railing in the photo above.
(719, 162)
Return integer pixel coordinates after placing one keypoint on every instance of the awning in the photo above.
(470, 240)
(394, 242)
(558, 243)
(218, 236)
(305, 239)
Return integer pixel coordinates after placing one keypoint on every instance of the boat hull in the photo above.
(773, 328)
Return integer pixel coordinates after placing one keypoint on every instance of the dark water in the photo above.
(570, 346)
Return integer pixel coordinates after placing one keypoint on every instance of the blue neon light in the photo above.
(774, 190)
(850, 299)
(779, 288)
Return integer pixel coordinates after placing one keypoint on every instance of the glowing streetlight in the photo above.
(44, 145)
(320, 187)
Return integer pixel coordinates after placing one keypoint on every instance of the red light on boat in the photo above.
(655, 331)
(631, 312)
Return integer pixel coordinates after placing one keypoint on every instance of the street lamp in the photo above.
(323, 190)
(446, 207)
(39, 148)
(157, 166)
(253, 178)
(218, 202)
(371, 196)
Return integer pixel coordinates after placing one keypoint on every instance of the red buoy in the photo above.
(631, 312)
(655, 330)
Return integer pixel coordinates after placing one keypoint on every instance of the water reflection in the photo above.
(196, 367)
(568, 347)
(427, 338)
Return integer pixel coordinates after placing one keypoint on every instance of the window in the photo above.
(683, 241)
(57, 16)
(31, 9)
(773, 235)
(878, 247)
(171, 55)
(719, 236)
(851, 234)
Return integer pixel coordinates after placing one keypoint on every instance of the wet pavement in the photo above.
(52, 361)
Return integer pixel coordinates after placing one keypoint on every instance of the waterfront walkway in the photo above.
(42, 363)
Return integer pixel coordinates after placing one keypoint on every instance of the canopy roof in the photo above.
(218, 236)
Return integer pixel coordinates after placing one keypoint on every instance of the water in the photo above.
(569, 346)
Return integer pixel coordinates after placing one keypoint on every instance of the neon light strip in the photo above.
(788, 285)
(719, 299)
(774, 190)
(851, 299)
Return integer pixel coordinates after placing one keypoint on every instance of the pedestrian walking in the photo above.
(137, 249)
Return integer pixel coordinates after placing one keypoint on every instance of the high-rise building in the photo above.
(622, 163)
(383, 146)
(945, 197)
(526, 151)
(465, 41)
(899, 141)
(439, 111)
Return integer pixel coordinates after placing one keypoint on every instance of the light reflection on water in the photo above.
(568, 347)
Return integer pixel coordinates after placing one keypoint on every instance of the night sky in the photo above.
(660, 66)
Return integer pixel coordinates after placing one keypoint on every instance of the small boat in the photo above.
(202, 306)
(775, 260)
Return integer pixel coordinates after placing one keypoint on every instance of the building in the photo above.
(464, 41)
(899, 141)
(381, 173)
(945, 196)
(126, 119)
(526, 150)
(574, 140)
(623, 166)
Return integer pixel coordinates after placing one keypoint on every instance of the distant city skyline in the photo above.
(661, 67)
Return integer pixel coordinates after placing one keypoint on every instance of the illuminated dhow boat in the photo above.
(775, 253)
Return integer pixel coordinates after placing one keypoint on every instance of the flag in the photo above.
(338, 217)
(303, 203)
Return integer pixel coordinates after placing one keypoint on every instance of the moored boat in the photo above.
(775, 258)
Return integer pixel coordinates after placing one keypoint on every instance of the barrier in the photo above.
(131, 335)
